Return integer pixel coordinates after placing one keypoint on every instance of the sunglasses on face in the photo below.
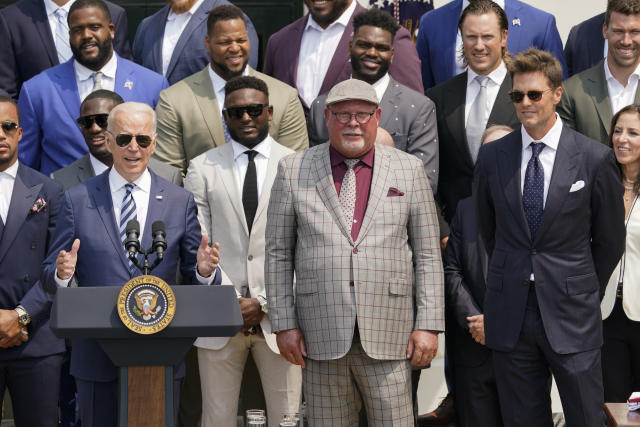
(8, 126)
(344, 117)
(124, 139)
(534, 95)
(86, 122)
(253, 110)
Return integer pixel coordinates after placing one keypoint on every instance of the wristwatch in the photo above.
(263, 304)
(23, 317)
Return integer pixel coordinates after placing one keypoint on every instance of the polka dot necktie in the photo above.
(533, 192)
(347, 196)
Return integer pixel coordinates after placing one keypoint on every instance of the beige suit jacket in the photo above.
(190, 120)
(397, 271)
(212, 181)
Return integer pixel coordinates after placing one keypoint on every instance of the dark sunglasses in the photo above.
(86, 122)
(253, 110)
(534, 95)
(124, 139)
(8, 126)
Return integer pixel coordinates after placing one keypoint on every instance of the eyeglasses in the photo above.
(534, 95)
(124, 139)
(8, 126)
(253, 110)
(345, 117)
(86, 122)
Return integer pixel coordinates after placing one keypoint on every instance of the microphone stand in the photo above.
(145, 267)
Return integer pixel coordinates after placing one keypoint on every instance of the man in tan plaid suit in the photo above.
(357, 224)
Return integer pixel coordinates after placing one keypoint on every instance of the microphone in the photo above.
(132, 244)
(159, 238)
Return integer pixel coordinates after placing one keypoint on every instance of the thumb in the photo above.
(204, 242)
(410, 348)
(303, 347)
(74, 247)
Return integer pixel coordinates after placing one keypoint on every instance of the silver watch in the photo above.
(263, 304)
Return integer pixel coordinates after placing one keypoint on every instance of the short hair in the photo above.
(81, 4)
(246, 82)
(625, 7)
(132, 107)
(226, 12)
(7, 99)
(103, 94)
(633, 108)
(483, 7)
(495, 128)
(375, 18)
(533, 60)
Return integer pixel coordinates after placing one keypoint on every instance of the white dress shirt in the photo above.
(459, 63)
(97, 165)
(7, 179)
(50, 9)
(381, 86)
(261, 160)
(84, 76)
(316, 52)
(173, 29)
(494, 81)
(218, 85)
(621, 96)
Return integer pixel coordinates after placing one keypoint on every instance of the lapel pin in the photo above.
(158, 197)
(516, 22)
(128, 84)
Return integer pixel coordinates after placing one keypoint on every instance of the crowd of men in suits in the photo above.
(509, 244)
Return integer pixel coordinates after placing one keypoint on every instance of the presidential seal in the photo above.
(146, 304)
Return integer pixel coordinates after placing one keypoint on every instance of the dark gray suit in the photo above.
(407, 115)
(456, 164)
(81, 170)
(555, 324)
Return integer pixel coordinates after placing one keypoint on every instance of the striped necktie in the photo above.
(61, 37)
(127, 213)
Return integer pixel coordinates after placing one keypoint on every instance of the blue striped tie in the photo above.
(127, 213)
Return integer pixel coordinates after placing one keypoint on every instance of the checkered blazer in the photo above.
(397, 272)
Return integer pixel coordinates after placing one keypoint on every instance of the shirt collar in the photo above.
(263, 148)
(117, 182)
(381, 86)
(465, 3)
(219, 83)
(336, 158)
(551, 139)
(611, 78)
(343, 20)
(50, 7)
(496, 76)
(172, 15)
(97, 165)
(12, 170)
(109, 69)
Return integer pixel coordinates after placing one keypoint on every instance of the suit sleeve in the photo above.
(195, 183)
(292, 132)
(62, 239)
(138, 43)
(553, 43)
(423, 233)
(405, 67)
(423, 141)
(566, 107)
(568, 50)
(484, 201)
(254, 43)
(267, 67)
(121, 40)
(29, 148)
(422, 46)
(169, 147)
(458, 297)
(8, 66)
(607, 220)
(280, 239)
(318, 132)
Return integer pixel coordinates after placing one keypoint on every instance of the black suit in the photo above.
(555, 323)
(27, 44)
(465, 269)
(585, 45)
(456, 165)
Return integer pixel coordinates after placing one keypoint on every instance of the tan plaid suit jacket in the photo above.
(397, 272)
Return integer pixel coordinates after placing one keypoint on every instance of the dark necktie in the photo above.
(533, 192)
(250, 190)
(127, 213)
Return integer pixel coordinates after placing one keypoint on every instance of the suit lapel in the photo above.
(200, 15)
(85, 170)
(600, 95)
(22, 198)
(64, 80)
(512, 9)
(156, 209)
(44, 30)
(157, 27)
(228, 178)
(125, 79)
(377, 191)
(564, 172)
(388, 101)
(455, 120)
(272, 169)
(327, 189)
(509, 159)
(503, 108)
(208, 104)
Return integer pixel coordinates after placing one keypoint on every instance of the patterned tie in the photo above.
(227, 135)
(533, 192)
(127, 213)
(347, 195)
(97, 81)
(61, 37)
(477, 121)
(250, 190)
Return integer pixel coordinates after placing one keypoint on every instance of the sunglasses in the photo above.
(124, 139)
(8, 126)
(534, 95)
(253, 110)
(86, 122)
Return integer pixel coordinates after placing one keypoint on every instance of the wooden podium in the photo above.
(146, 361)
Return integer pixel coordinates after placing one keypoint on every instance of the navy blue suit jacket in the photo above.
(23, 247)
(585, 45)
(438, 29)
(87, 214)
(50, 104)
(189, 55)
(579, 242)
(27, 44)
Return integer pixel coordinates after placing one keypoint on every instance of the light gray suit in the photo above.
(212, 180)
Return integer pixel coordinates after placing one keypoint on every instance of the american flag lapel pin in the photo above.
(158, 197)
(515, 22)
(128, 84)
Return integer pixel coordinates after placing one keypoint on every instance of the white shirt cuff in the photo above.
(206, 280)
(61, 282)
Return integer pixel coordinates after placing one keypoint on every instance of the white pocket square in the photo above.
(578, 185)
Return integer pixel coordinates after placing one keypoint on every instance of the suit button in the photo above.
(355, 250)
(26, 278)
(34, 245)
(250, 257)
(351, 283)
(526, 282)
(533, 251)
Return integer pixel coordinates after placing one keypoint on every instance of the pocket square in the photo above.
(394, 192)
(578, 185)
